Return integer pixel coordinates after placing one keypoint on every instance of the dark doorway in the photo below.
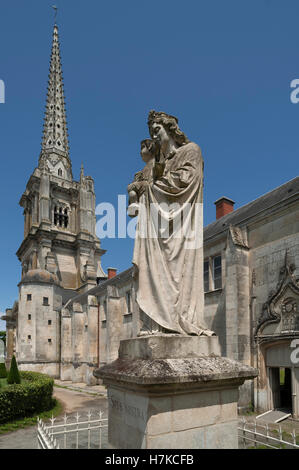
(281, 385)
(285, 388)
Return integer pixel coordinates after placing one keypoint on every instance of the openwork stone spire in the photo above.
(55, 146)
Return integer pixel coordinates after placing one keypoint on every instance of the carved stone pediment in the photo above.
(53, 159)
(238, 236)
(282, 305)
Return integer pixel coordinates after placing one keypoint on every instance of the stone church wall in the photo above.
(269, 242)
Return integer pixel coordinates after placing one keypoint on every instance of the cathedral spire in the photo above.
(55, 146)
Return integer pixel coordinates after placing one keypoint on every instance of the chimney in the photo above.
(224, 206)
(111, 272)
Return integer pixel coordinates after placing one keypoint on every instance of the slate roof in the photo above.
(248, 211)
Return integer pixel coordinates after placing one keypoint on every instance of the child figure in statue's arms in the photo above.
(144, 177)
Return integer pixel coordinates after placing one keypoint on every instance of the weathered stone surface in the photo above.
(173, 402)
(169, 346)
(169, 287)
(198, 368)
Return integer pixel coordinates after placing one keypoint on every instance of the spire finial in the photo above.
(82, 172)
(55, 14)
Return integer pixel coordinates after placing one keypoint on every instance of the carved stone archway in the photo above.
(277, 327)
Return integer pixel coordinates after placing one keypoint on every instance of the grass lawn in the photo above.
(30, 421)
(5, 384)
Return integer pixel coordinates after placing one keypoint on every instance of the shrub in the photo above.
(14, 375)
(34, 395)
(3, 371)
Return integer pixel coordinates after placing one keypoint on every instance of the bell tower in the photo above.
(59, 212)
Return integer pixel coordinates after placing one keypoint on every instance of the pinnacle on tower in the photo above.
(55, 136)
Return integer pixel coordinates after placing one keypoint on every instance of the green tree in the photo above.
(3, 371)
(14, 375)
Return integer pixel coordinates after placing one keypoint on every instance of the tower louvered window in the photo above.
(66, 218)
(55, 215)
(61, 217)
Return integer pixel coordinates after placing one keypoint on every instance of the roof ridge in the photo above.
(252, 202)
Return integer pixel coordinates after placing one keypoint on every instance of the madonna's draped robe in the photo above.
(169, 279)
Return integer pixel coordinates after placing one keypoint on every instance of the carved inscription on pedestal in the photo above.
(130, 410)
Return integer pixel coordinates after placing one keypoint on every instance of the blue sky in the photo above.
(224, 68)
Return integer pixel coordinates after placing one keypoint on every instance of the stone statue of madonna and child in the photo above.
(167, 197)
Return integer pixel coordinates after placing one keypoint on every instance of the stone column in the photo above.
(173, 392)
(44, 200)
(66, 345)
(237, 291)
(10, 340)
(78, 343)
(114, 322)
(35, 205)
(92, 338)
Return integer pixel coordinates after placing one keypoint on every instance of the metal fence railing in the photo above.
(73, 432)
(257, 435)
(45, 440)
(89, 433)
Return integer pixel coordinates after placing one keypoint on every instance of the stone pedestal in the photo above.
(173, 392)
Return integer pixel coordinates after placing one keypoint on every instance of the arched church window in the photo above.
(60, 217)
(60, 172)
(55, 215)
(66, 218)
